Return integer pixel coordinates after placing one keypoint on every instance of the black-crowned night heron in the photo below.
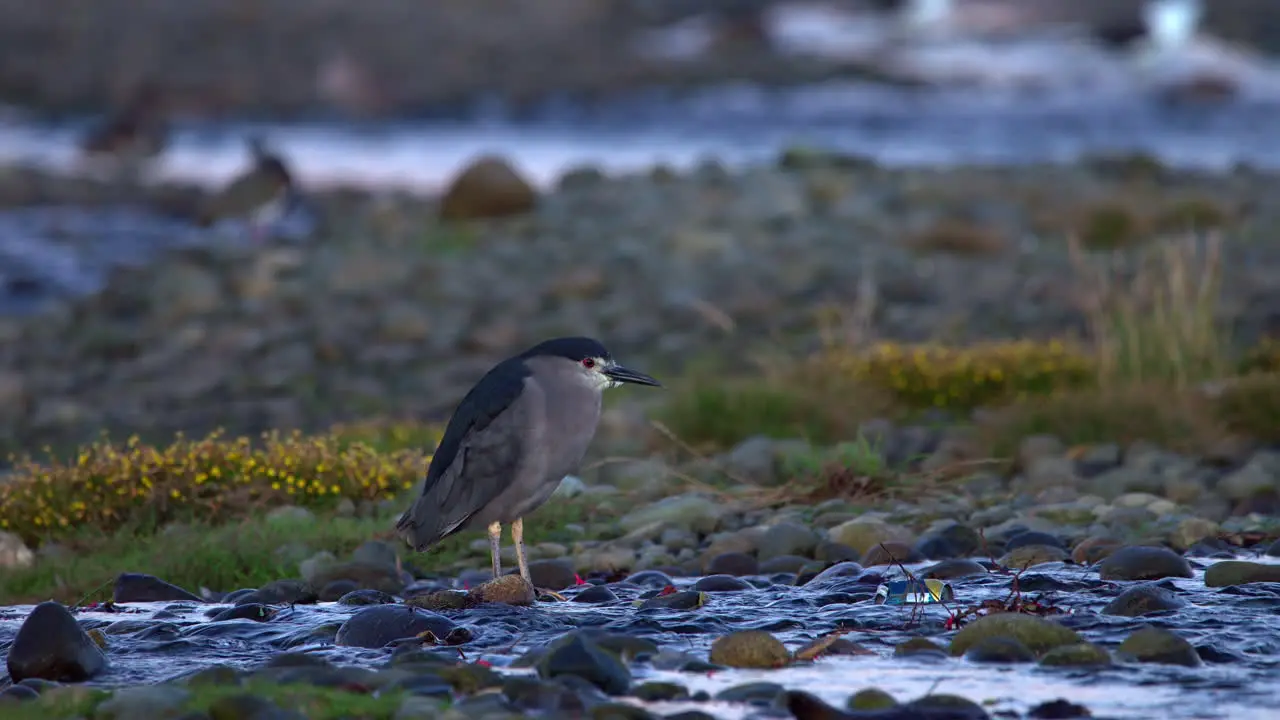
(512, 439)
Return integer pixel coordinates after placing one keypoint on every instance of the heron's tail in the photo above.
(421, 525)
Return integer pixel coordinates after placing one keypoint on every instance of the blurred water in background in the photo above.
(735, 125)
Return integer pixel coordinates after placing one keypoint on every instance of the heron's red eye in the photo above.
(588, 363)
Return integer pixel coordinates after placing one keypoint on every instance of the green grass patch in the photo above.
(713, 412)
(244, 553)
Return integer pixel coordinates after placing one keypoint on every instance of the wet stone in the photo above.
(1094, 550)
(951, 569)
(1032, 537)
(787, 538)
(250, 611)
(17, 694)
(1059, 709)
(40, 685)
(1142, 600)
(834, 552)
(917, 647)
(891, 553)
(1000, 650)
(1038, 634)
(839, 571)
(469, 679)
(649, 578)
(139, 587)
(830, 647)
(379, 625)
(733, 563)
(365, 575)
(1136, 562)
(783, 564)
(529, 693)
(1240, 572)
(627, 647)
(506, 590)
(721, 583)
(51, 645)
(870, 699)
(575, 654)
(620, 711)
(596, 594)
(749, 649)
(554, 574)
(682, 600)
(1025, 556)
(755, 693)
(336, 590)
(276, 592)
(950, 706)
(657, 691)
(366, 597)
(1156, 645)
(442, 600)
(216, 675)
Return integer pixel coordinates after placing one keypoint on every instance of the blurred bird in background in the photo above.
(127, 139)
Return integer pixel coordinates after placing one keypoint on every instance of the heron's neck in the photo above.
(1172, 24)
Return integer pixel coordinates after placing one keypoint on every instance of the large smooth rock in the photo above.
(139, 587)
(51, 645)
(1139, 562)
(490, 187)
(580, 656)
(1240, 572)
(376, 626)
(1037, 634)
(1157, 645)
(1143, 599)
(749, 649)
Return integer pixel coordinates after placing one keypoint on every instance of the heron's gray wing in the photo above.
(476, 459)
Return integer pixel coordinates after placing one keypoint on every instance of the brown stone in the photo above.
(487, 188)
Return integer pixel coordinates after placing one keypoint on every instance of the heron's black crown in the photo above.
(573, 348)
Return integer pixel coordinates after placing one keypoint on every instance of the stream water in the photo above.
(1234, 630)
(50, 252)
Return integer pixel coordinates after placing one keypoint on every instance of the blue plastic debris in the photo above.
(914, 592)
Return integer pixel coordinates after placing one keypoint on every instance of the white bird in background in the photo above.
(994, 45)
(1177, 60)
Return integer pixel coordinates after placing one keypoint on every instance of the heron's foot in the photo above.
(545, 593)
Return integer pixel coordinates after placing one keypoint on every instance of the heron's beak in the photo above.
(617, 373)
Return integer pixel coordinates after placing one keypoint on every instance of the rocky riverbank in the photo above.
(393, 311)
(280, 57)
(1104, 565)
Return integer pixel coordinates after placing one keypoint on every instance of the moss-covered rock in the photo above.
(1039, 635)
(1240, 572)
(749, 649)
(1078, 655)
(1156, 645)
(871, 699)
